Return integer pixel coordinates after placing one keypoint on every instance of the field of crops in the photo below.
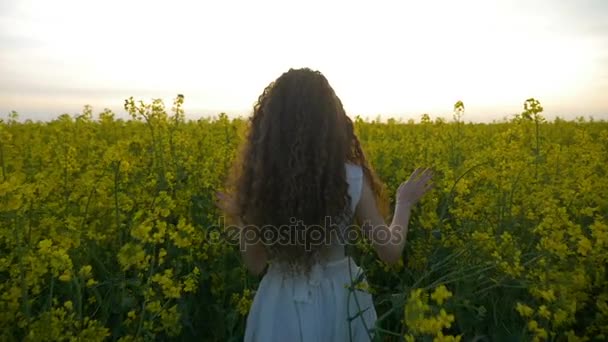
(108, 229)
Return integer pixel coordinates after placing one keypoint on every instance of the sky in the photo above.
(389, 58)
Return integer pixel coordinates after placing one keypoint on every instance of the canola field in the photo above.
(109, 230)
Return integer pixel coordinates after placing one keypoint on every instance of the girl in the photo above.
(301, 180)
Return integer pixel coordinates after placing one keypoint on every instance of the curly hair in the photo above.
(291, 164)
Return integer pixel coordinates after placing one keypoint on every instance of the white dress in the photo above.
(316, 307)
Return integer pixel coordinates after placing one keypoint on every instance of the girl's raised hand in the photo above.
(412, 190)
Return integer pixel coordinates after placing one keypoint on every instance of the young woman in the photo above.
(300, 181)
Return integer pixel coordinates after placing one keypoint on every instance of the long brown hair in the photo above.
(291, 165)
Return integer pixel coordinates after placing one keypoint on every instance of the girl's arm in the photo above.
(251, 246)
(390, 243)
(253, 251)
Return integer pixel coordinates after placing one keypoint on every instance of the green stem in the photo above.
(143, 304)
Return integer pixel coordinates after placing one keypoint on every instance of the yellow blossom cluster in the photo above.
(424, 318)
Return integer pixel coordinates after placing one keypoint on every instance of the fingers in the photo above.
(420, 171)
(422, 175)
(426, 173)
(416, 173)
(424, 182)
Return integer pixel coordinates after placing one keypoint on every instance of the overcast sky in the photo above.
(396, 58)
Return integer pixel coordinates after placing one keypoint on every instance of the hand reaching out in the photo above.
(412, 190)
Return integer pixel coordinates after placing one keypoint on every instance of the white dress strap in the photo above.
(354, 177)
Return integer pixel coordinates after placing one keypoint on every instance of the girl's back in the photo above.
(315, 306)
(300, 181)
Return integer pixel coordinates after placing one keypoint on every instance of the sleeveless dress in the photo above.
(317, 306)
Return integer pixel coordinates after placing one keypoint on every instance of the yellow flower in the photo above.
(559, 317)
(584, 246)
(171, 288)
(85, 271)
(524, 310)
(45, 245)
(441, 293)
(544, 312)
(191, 281)
(445, 319)
(572, 337)
(447, 338)
(68, 305)
(142, 231)
(154, 306)
(132, 255)
(66, 276)
(548, 295)
(243, 302)
(416, 318)
(161, 256)
(541, 333)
